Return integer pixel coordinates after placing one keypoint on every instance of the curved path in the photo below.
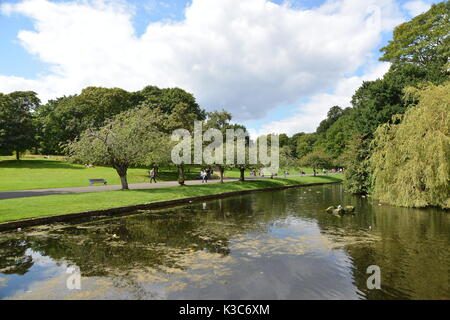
(136, 186)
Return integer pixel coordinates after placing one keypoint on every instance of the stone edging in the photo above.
(129, 210)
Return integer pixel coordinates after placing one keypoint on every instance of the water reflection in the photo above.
(277, 245)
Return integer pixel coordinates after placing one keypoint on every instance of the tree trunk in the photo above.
(17, 155)
(122, 172)
(181, 175)
(242, 178)
(124, 182)
(221, 171)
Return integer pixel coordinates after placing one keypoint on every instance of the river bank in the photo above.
(18, 213)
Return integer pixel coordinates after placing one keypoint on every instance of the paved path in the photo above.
(136, 186)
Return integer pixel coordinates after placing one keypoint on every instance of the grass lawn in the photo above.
(37, 172)
(22, 208)
(234, 173)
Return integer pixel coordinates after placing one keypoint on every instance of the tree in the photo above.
(335, 139)
(293, 142)
(248, 163)
(167, 100)
(305, 144)
(283, 140)
(411, 159)
(128, 139)
(220, 120)
(317, 160)
(422, 41)
(64, 119)
(333, 114)
(17, 130)
(286, 158)
(357, 167)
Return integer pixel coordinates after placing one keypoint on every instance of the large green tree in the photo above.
(305, 144)
(317, 160)
(357, 167)
(17, 129)
(220, 120)
(411, 161)
(130, 138)
(167, 99)
(65, 118)
(418, 53)
(423, 41)
(333, 115)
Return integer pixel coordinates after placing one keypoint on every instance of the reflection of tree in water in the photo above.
(158, 239)
(409, 245)
(415, 260)
(13, 257)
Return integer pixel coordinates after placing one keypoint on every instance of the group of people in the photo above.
(206, 174)
(260, 173)
(334, 170)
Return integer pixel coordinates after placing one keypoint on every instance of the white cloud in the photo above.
(315, 110)
(246, 56)
(416, 7)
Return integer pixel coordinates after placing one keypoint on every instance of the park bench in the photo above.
(92, 181)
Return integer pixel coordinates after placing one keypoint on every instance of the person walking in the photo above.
(152, 175)
(204, 176)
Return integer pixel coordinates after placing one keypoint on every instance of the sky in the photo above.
(277, 66)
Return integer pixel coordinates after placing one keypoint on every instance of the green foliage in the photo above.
(374, 103)
(286, 159)
(283, 140)
(167, 100)
(128, 139)
(317, 160)
(64, 119)
(305, 144)
(332, 116)
(17, 130)
(336, 138)
(411, 161)
(356, 161)
(422, 41)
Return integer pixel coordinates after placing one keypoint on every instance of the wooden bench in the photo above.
(92, 181)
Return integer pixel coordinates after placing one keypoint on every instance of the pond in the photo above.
(271, 245)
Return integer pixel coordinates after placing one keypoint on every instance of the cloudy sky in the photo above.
(278, 65)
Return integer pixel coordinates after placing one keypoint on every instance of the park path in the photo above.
(135, 186)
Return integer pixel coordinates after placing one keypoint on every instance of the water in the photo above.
(273, 245)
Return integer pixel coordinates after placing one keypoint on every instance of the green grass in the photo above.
(38, 173)
(234, 173)
(16, 209)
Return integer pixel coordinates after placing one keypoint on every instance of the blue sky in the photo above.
(272, 83)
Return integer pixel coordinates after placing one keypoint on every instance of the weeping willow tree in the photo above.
(411, 159)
